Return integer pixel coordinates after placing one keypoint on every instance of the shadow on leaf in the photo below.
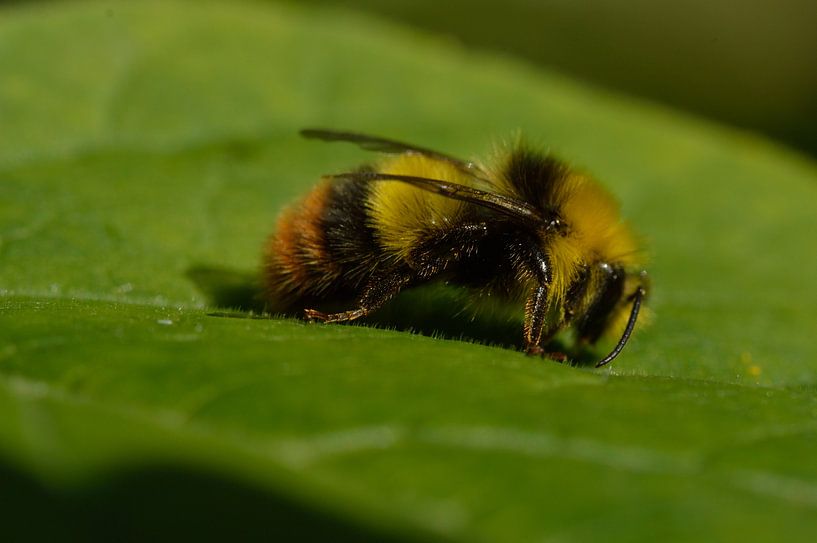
(228, 289)
(433, 310)
(172, 502)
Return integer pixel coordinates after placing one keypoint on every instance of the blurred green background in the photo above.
(750, 63)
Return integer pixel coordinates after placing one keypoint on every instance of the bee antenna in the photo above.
(637, 297)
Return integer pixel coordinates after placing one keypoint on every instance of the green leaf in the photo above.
(145, 151)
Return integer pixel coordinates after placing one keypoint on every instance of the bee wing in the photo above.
(383, 145)
(515, 209)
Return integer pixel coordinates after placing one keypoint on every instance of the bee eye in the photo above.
(556, 225)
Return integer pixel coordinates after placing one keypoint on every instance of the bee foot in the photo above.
(557, 356)
(536, 350)
(313, 315)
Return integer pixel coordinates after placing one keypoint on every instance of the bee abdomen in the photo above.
(296, 261)
(322, 247)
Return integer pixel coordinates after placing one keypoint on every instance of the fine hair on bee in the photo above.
(522, 227)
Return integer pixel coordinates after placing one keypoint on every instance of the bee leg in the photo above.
(427, 260)
(377, 291)
(315, 315)
(435, 254)
(536, 311)
(535, 324)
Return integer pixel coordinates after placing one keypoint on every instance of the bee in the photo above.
(523, 227)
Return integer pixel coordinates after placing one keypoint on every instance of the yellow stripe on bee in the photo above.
(593, 216)
(403, 214)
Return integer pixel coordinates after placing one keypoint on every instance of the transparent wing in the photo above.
(383, 145)
(515, 209)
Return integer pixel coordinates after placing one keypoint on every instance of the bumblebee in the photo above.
(522, 227)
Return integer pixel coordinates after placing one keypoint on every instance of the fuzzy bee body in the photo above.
(524, 228)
